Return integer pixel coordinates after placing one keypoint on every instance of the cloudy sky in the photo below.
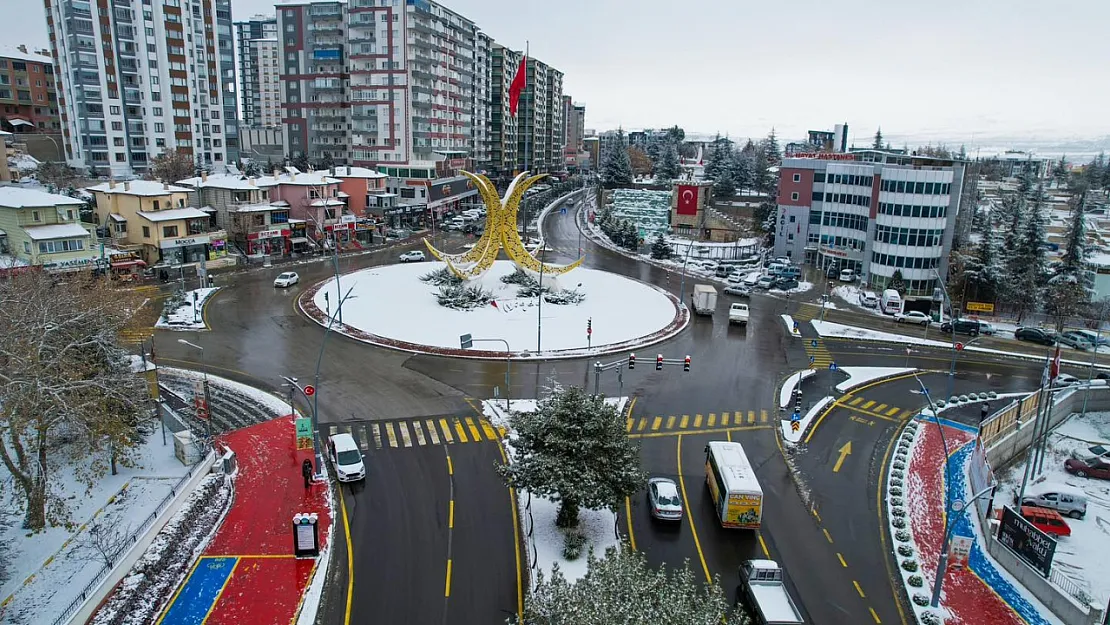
(962, 71)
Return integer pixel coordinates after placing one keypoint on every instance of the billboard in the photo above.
(1025, 540)
(450, 189)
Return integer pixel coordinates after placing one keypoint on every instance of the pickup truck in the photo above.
(738, 313)
(764, 596)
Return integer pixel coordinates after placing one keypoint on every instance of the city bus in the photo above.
(737, 496)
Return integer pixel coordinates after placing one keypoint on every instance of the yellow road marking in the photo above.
(460, 431)
(874, 616)
(628, 425)
(447, 588)
(487, 428)
(333, 430)
(697, 420)
(869, 413)
(712, 420)
(516, 541)
(751, 416)
(906, 414)
(685, 421)
(450, 466)
(724, 418)
(432, 434)
(815, 515)
(855, 401)
(404, 427)
(826, 532)
(845, 451)
(655, 423)
(418, 431)
(670, 422)
(628, 519)
(763, 546)
(377, 435)
(763, 416)
(390, 435)
(841, 558)
(643, 423)
(892, 411)
(880, 408)
(706, 431)
(363, 441)
(870, 402)
(474, 434)
(446, 429)
(686, 505)
(223, 587)
(451, 515)
(858, 589)
(350, 559)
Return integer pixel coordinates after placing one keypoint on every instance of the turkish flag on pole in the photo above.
(687, 200)
(1055, 364)
(518, 84)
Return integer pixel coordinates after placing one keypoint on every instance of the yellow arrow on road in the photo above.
(845, 451)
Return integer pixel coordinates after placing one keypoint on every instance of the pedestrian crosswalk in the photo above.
(419, 432)
(695, 422)
(148, 290)
(815, 349)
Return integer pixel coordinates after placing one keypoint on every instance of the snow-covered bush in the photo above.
(459, 297)
(931, 618)
(905, 551)
(573, 541)
(441, 277)
(896, 501)
(898, 512)
(898, 522)
(915, 580)
(909, 565)
(518, 277)
(898, 473)
(896, 481)
(898, 464)
(921, 598)
(902, 536)
(564, 297)
(895, 490)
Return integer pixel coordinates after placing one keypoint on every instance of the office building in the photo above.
(28, 98)
(136, 79)
(257, 44)
(872, 211)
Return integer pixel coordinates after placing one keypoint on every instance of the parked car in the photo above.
(346, 458)
(1066, 500)
(722, 271)
(1074, 339)
(868, 299)
(663, 498)
(1095, 338)
(987, 328)
(1094, 466)
(414, 256)
(1064, 379)
(969, 327)
(739, 290)
(847, 275)
(765, 282)
(735, 277)
(1035, 335)
(1048, 521)
(286, 279)
(913, 316)
(785, 284)
(397, 233)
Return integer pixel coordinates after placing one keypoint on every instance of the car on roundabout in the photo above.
(664, 500)
(739, 290)
(913, 316)
(286, 279)
(415, 256)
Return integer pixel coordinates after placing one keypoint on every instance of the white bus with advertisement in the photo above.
(737, 495)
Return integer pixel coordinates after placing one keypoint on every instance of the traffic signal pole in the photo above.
(619, 365)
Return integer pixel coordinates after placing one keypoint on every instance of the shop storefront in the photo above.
(126, 266)
(273, 241)
(408, 216)
(364, 231)
(344, 230)
(73, 264)
(183, 250)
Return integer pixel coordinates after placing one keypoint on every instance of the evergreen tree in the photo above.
(622, 587)
(659, 248)
(1027, 264)
(743, 171)
(771, 151)
(574, 449)
(327, 162)
(667, 169)
(724, 186)
(897, 282)
(877, 144)
(300, 161)
(250, 168)
(1060, 171)
(983, 272)
(616, 167)
(720, 158)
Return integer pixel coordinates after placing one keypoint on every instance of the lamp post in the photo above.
(204, 372)
(316, 382)
(539, 300)
(466, 343)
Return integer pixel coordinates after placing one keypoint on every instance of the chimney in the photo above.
(165, 186)
(22, 48)
(111, 184)
(126, 185)
(250, 181)
(204, 176)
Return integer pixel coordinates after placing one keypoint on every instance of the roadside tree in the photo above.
(897, 282)
(171, 166)
(1068, 291)
(659, 248)
(667, 169)
(616, 168)
(574, 450)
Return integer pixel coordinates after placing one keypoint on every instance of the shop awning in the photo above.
(296, 240)
(129, 263)
(20, 122)
(118, 218)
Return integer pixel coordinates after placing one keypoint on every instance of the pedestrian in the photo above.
(306, 471)
(983, 412)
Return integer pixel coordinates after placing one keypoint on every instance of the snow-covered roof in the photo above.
(299, 178)
(22, 197)
(358, 172)
(144, 188)
(23, 162)
(9, 51)
(327, 202)
(55, 231)
(174, 213)
(258, 208)
(235, 182)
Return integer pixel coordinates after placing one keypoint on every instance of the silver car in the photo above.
(666, 505)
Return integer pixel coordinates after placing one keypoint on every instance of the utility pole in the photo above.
(316, 382)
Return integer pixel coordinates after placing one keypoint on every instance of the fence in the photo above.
(1003, 422)
(130, 542)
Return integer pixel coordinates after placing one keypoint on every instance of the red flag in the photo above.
(687, 200)
(518, 84)
(494, 304)
(1055, 373)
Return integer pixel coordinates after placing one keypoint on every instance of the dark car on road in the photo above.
(969, 327)
(785, 284)
(1035, 335)
(1091, 467)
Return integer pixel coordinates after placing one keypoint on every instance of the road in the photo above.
(434, 541)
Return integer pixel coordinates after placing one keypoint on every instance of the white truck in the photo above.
(738, 313)
(704, 299)
(764, 596)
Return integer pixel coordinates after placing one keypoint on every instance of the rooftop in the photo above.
(55, 231)
(26, 54)
(173, 214)
(145, 188)
(19, 197)
(358, 172)
(235, 182)
(312, 178)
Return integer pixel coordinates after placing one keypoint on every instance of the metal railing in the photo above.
(127, 544)
(1069, 586)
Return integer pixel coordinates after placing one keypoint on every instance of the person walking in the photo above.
(306, 471)
(983, 412)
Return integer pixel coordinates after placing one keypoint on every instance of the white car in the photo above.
(664, 500)
(287, 279)
(913, 316)
(346, 458)
(414, 256)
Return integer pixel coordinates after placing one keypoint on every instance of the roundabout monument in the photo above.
(541, 311)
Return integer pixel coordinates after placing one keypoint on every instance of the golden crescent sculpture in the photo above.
(500, 233)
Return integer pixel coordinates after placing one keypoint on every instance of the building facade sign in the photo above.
(74, 264)
(199, 239)
(451, 188)
(268, 234)
(825, 156)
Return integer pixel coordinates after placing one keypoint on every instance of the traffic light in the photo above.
(659, 362)
(589, 326)
(686, 364)
(631, 361)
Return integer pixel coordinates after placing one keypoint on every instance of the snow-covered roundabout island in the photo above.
(391, 306)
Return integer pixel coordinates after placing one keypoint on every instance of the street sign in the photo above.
(958, 551)
(563, 210)
(466, 341)
(811, 359)
(959, 346)
(795, 326)
(309, 390)
(797, 416)
(982, 307)
(813, 343)
(303, 426)
(795, 426)
(832, 366)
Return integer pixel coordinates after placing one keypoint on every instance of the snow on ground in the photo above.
(858, 376)
(120, 502)
(790, 324)
(393, 303)
(279, 406)
(547, 539)
(1082, 556)
(787, 390)
(788, 432)
(190, 314)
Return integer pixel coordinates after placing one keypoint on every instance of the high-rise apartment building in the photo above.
(533, 139)
(139, 78)
(257, 42)
(480, 139)
(28, 98)
(502, 125)
(574, 128)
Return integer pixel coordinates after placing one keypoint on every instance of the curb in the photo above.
(307, 305)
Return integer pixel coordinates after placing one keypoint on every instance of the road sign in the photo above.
(303, 427)
(309, 390)
(797, 416)
(813, 343)
(832, 366)
(795, 426)
(958, 551)
(957, 505)
(795, 326)
(811, 359)
(959, 346)
(466, 341)
(982, 307)
(563, 210)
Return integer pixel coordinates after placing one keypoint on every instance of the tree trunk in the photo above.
(568, 513)
(35, 518)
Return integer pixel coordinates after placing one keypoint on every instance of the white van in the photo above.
(891, 302)
(346, 458)
(1067, 500)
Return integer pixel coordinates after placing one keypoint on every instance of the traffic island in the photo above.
(585, 313)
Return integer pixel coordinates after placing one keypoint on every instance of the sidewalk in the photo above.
(982, 592)
(247, 573)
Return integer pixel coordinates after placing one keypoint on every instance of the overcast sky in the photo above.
(957, 70)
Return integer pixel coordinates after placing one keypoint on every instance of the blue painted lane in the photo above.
(197, 597)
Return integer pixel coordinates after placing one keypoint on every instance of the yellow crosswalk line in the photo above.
(724, 418)
(868, 404)
(712, 420)
(460, 431)
(643, 423)
(880, 408)
(491, 434)
(389, 433)
(377, 435)
(446, 431)
(890, 413)
(685, 421)
(906, 414)
(751, 416)
(474, 434)
(418, 431)
(670, 422)
(855, 402)
(629, 425)
(405, 439)
(432, 433)
(763, 416)
(332, 430)
(697, 420)
(363, 441)
(655, 423)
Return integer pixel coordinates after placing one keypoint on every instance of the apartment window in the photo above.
(215, 130)
(26, 247)
(35, 216)
(181, 203)
(114, 110)
(69, 214)
(156, 204)
(159, 127)
(121, 157)
(157, 110)
(159, 143)
(794, 196)
(797, 178)
(169, 232)
(65, 245)
(117, 125)
(117, 141)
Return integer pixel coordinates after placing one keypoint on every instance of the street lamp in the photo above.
(466, 341)
(539, 301)
(316, 377)
(204, 372)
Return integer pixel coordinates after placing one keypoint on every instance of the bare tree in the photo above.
(57, 174)
(171, 166)
(66, 386)
(102, 542)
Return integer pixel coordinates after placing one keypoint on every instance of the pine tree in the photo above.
(1027, 264)
(877, 144)
(743, 171)
(720, 158)
(574, 449)
(300, 161)
(1068, 290)
(667, 169)
(621, 587)
(983, 272)
(1060, 171)
(616, 167)
(659, 248)
(327, 162)
(897, 282)
(771, 151)
(724, 187)
(250, 168)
